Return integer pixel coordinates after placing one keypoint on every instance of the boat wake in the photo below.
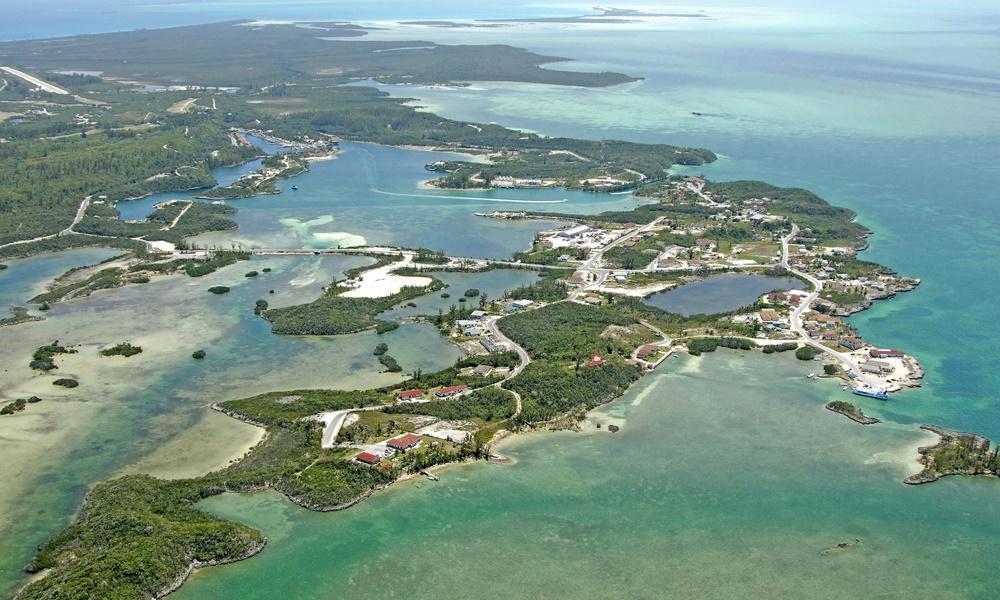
(478, 198)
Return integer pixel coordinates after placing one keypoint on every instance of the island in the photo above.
(539, 357)
(956, 453)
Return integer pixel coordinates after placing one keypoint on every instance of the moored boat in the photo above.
(868, 393)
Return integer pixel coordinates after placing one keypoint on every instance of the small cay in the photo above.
(957, 453)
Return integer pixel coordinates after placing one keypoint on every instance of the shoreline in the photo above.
(197, 564)
(953, 443)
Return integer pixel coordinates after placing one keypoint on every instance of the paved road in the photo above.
(591, 265)
(40, 84)
(522, 354)
(795, 320)
(335, 421)
(80, 211)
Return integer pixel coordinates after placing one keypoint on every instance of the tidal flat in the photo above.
(129, 410)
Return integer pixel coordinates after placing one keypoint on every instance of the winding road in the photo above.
(80, 211)
(522, 354)
(795, 319)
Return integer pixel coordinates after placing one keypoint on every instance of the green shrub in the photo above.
(785, 347)
(386, 327)
(123, 349)
(807, 353)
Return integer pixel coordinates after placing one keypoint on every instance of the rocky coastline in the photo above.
(957, 453)
(197, 564)
(851, 412)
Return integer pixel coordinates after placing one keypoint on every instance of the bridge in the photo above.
(369, 250)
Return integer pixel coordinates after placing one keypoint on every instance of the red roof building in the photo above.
(368, 458)
(777, 297)
(595, 360)
(646, 350)
(450, 390)
(409, 394)
(404, 442)
(885, 353)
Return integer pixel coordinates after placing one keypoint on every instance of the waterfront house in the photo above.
(409, 395)
(368, 458)
(404, 442)
(450, 390)
(777, 297)
(478, 314)
(851, 343)
(647, 350)
(885, 353)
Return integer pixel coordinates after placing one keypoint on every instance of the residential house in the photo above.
(647, 350)
(851, 343)
(886, 353)
(483, 371)
(404, 442)
(368, 458)
(769, 315)
(450, 390)
(409, 395)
